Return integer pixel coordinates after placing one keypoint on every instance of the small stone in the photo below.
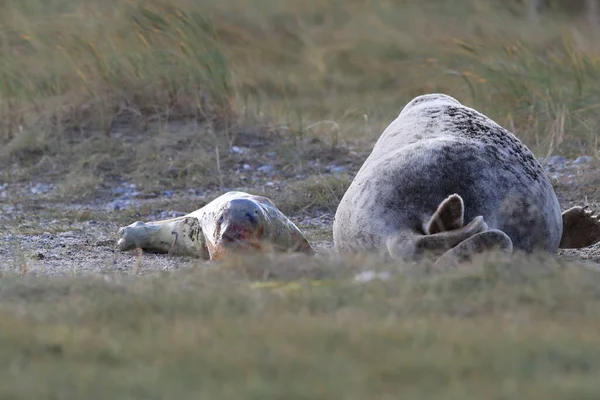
(126, 190)
(195, 192)
(237, 150)
(247, 167)
(119, 204)
(555, 162)
(266, 169)
(40, 188)
(338, 170)
(171, 214)
(167, 193)
(583, 160)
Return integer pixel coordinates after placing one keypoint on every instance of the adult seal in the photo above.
(232, 223)
(445, 180)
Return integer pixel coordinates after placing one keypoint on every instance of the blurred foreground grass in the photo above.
(90, 89)
(491, 330)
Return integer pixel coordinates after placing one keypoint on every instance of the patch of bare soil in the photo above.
(56, 240)
(48, 226)
(42, 233)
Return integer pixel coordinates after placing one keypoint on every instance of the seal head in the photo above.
(239, 225)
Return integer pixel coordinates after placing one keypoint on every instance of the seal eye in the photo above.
(252, 217)
(220, 220)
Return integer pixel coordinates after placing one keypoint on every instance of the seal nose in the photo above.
(232, 235)
(244, 212)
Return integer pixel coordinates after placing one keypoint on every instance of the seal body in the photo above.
(434, 149)
(231, 223)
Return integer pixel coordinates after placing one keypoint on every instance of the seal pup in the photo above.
(231, 223)
(445, 180)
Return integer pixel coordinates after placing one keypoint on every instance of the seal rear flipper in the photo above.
(178, 236)
(448, 216)
(580, 228)
(492, 240)
(408, 245)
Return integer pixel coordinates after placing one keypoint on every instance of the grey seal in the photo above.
(446, 181)
(233, 223)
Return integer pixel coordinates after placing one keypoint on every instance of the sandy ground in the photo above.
(46, 237)
(65, 239)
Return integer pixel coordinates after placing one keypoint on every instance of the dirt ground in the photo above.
(40, 235)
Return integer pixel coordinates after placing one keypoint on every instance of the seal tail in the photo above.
(446, 238)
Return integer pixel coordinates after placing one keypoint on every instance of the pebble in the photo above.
(195, 192)
(171, 214)
(583, 160)
(266, 169)
(237, 150)
(126, 190)
(555, 160)
(119, 204)
(68, 234)
(337, 169)
(561, 169)
(41, 188)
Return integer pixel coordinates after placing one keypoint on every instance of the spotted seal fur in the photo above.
(233, 222)
(441, 164)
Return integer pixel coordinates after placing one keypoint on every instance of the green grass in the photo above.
(492, 330)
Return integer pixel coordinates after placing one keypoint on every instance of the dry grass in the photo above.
(90, 88)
